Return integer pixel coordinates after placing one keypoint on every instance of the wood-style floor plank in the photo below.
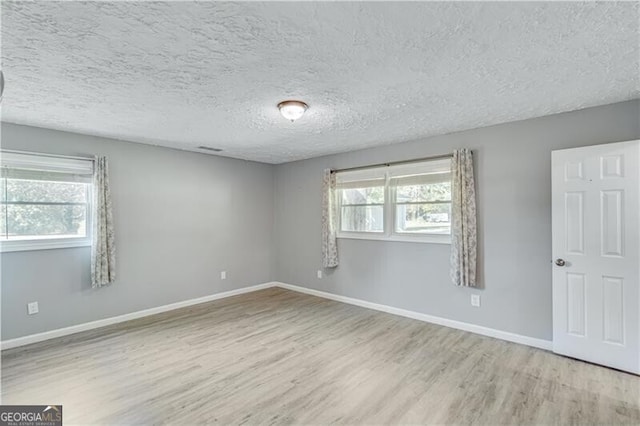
(280, 357)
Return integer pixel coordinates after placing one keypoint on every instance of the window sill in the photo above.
(43, 244)
(424, 239)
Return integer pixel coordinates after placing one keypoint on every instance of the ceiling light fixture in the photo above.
(292, 110)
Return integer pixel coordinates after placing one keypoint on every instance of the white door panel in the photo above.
(596, 232)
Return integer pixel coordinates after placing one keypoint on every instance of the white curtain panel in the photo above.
(329, 220)
(103, 250)
(463, 220)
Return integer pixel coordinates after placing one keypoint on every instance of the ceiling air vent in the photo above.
(208, 148)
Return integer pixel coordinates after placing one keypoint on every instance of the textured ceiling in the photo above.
(184, 74)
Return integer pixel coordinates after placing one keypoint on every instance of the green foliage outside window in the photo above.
(42, 208)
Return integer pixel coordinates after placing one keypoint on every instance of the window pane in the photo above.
(427, 192)
(29, 220)
(362, 219)
(3, 216)
(424, 218)
(3, 222)
(44, 191)
(373, 195)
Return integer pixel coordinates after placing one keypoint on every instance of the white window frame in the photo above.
(389, 213)
(48, 162)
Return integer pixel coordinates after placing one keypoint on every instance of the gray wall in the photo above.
(180, 219)
(262, 222)
(513, 166)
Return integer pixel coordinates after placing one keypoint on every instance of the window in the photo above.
(362, 207)
(407, 202)
(44, 201)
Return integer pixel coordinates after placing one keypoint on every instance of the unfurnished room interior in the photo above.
(314, 213)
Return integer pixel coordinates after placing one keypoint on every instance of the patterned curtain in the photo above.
(329, 220)
(463, 220)
(103, 250)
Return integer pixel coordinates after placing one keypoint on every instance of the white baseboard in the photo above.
(485, 331)
(39, 337)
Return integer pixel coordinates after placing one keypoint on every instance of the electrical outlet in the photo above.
(319, 274)
(32, 308)
(475, 300)
(223, 275)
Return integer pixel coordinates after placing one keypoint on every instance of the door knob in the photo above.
(560, 262)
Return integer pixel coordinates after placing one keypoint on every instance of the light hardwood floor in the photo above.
(280, 357)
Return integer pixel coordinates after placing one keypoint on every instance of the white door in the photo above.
(596, 249)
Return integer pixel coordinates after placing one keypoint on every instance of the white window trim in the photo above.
(403, 238)
(43, 244)
(51, 162)
(47, 162)
(390, 234)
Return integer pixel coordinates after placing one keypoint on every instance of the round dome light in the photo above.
(292, 110)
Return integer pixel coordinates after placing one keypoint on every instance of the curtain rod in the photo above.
(44, 154)
(393, 163)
